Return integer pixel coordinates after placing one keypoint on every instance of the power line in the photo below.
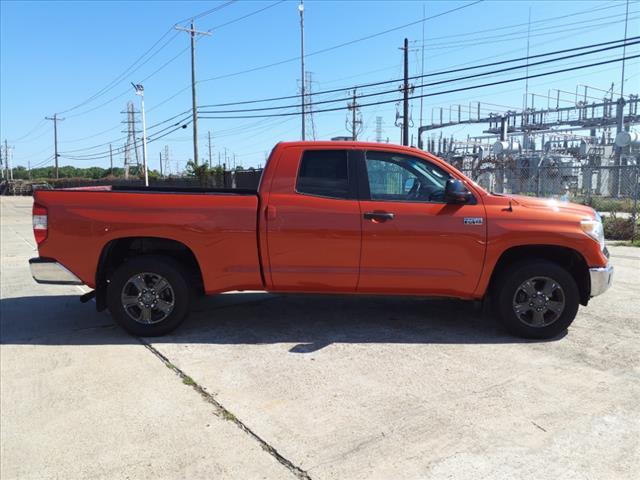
(440, 82)
(183, 115)
(125, 92)
(41, 123)
(431, 74)
(133, 144)
(207, 12)
(511, 35)
(380, 93)
(103, 155)
(247, 15)
(172, 96)
(122, 149)
(341, 45)
(122, 77)
(128, 90)
(492, 30)
(461, 89)
(458, 35)
(136, 65)
(40, 164)
(128, 71)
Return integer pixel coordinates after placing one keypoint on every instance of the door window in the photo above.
(324, 173)
(403, 178)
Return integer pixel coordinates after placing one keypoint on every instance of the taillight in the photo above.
(40, 223)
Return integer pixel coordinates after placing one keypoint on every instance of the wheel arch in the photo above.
(117, 251)
(565, 257)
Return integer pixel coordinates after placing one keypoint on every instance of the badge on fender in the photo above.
(473, 221)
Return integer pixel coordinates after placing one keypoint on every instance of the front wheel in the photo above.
(536, 299)
(149, 295)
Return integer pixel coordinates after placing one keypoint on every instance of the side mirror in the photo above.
(455, 192)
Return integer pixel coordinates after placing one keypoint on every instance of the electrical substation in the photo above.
(570, 145)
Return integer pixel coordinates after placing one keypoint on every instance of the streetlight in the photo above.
(140, 91)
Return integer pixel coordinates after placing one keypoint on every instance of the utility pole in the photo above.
(378, 129)
(3, 158)
(167, 163)
(624, 50)
(140, 91)
(302, 82)
(160, 153)
(132, 143)
(310, 126)
(405, 102)
(193, 32)
(356, 123)
(526, 81)
(421, 76)
(55, 138)
(209, 132)
(354, 105)
(620, 127)
(8, 171)
(110, 160)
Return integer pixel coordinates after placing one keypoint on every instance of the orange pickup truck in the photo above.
(328, 217)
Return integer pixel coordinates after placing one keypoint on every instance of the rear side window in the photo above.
(324, 173)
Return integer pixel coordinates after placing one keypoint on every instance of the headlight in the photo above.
(594, 229)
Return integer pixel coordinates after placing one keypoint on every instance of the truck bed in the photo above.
(217, 225)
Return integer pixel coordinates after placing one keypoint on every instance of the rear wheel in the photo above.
(536, 299)
(149, 295)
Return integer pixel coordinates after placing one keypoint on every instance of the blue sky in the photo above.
(54, 56)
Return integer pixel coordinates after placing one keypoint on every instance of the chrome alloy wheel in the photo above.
(147, 298)
(539, 301)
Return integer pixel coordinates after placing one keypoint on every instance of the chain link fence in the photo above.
(611, 190)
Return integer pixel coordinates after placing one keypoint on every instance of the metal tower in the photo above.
(131, 144)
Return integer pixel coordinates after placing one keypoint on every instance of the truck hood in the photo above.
(552, 205)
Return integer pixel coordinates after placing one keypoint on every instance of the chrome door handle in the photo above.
(378, 217)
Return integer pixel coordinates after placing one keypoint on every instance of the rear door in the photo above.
(412, 242)
(313, 222)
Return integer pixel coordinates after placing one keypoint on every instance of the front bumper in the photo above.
(600, 279)
(48, 271)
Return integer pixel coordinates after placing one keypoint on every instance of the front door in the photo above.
(313, 222)
(413, 242)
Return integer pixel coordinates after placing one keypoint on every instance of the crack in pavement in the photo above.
(226, 414)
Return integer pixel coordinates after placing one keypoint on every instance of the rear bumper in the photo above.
(601, 278)
(48, 271)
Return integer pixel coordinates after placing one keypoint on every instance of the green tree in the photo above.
(201, 172)
(20, 173)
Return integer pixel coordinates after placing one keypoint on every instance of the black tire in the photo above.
(178, 295)
(509, 294)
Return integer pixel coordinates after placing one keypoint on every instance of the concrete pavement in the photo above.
(82, 399)
(324, 387)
